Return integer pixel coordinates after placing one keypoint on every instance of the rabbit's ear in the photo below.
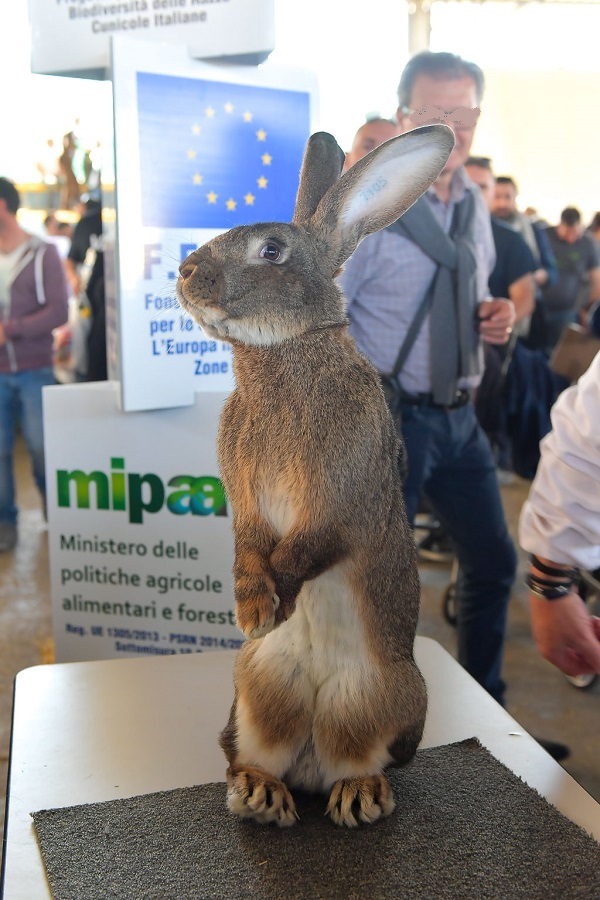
(321, 167)
(379, 188)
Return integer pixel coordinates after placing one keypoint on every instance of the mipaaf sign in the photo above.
(140, 539)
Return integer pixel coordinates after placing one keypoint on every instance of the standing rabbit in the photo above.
(327, 692)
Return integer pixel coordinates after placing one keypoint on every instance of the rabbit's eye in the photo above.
(270, 251)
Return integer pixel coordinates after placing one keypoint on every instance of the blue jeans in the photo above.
(450, 460)
(21, 403)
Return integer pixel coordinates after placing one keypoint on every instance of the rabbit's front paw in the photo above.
(256, 615)
(355, 800)
(257, 795)
(288, 588)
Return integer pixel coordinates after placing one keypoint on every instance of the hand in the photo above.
(566, 634)
(496, 319)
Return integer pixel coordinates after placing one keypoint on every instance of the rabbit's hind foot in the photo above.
(254, 794)
(356, 800)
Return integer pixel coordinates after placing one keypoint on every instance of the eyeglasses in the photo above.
(460, 119)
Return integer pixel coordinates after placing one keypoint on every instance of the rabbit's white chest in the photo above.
(336, 636)
(277, 508)
(325, 635)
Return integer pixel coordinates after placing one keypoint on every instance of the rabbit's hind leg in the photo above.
(353, 754)
(257, 763)
(357, 797)
(361, 726)
(255, 794)
(269, 725)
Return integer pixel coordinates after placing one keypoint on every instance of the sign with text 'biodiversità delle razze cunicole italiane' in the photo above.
(72, 37)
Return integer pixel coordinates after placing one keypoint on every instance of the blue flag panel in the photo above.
(215, 155)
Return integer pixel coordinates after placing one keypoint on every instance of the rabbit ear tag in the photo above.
(379, 188)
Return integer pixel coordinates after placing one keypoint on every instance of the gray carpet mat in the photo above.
(464, 827)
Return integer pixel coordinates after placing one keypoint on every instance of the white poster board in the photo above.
(141, 546)
(200, 149)
(72, 37)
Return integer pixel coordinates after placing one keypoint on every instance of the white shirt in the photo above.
(560, 520)
(7, 264)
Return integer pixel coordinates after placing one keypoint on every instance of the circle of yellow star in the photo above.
(197, 179)
(228, 107)
(209, 112)
(247, 117)
(249, 199)
(195, 129)
(266, 158)
(262, 182)
(230, 204)
(212, 197)
(191, 154)
(261, 134)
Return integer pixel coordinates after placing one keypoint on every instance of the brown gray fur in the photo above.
(327, 693)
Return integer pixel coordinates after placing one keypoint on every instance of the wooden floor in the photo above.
(539, 697)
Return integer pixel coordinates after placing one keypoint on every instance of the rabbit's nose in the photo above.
(186, 270)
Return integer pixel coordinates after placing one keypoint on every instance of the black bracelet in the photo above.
(569, 572)
(559, 590)
(550, 582)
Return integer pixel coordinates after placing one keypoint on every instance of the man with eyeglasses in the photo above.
(438, 258)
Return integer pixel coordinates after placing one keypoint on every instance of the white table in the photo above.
(93, 731)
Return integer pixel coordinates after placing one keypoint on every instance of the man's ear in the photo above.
(404, 123)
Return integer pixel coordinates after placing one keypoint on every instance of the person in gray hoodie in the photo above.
(33, 301)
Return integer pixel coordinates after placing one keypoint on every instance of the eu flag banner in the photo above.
(215, 154)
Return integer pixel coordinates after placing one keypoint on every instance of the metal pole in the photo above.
(419, 26)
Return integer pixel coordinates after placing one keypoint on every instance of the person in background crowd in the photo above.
(33, 301)
(370, 135)
(48, 167)
(51, 225)
(560, 526)
(513, 277)
(85, 270)
(532, 230)
(594, 227)
(515, 269)
(69, 186)
(47, 164)
(578, 259)
(385, 281)
(58, 233)
(504, 207)
(55, 227)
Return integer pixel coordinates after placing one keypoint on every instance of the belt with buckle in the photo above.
(461, 398)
